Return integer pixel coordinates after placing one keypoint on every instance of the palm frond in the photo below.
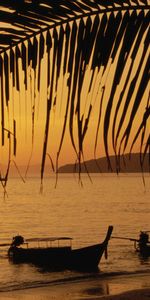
(72, 39)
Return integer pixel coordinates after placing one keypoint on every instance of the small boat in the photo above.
(141, 245)
(58, 257)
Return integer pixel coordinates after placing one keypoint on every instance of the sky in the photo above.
(20, 109)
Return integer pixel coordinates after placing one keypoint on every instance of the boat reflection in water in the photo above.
(59, 257)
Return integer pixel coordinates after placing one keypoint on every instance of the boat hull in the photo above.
(52, 257)
(144, 251)
(86, 258)
(63, 257)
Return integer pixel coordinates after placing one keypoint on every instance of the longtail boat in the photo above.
(141, 245)
(58, 257)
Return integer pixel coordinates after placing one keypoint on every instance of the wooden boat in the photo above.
(59, 257)
(144, 250)
(141, 245)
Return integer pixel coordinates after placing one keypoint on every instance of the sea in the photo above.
(82, 212)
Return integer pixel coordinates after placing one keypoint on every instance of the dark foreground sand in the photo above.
(143, 294)
(119, 288)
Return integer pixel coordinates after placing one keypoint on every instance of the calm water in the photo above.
(81, 213)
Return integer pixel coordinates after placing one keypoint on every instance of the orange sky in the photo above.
(20, 106)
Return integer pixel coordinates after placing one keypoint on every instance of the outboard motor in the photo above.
(17, 241)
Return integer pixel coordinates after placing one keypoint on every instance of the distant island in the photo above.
(99, 165)
(127, 165)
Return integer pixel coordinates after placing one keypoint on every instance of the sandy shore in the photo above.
(143, 294)
(118, 288)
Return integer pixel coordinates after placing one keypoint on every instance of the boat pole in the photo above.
(124, 238)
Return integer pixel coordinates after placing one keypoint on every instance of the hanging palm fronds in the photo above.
(104, 41)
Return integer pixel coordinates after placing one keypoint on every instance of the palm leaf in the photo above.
(72, 38)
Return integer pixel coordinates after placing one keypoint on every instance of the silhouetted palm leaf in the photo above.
(72, 38)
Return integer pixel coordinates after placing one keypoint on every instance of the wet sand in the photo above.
(143, 294)
(118, 288)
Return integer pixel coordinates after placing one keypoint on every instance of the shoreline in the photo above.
(128, 287)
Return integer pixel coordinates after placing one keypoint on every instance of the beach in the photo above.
(143, 294)
(118, 288)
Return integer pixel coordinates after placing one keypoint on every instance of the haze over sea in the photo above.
(83, 213)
